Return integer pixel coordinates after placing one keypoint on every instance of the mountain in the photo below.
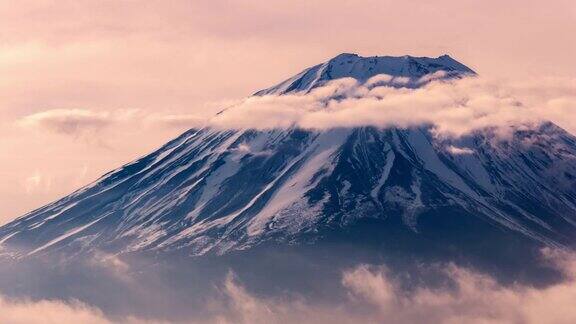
(213, 192)
(289, 210)
(363, 68)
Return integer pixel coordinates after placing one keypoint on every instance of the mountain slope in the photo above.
(212, 192)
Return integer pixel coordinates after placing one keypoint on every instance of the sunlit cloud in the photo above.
(452, 108)
(49, 312)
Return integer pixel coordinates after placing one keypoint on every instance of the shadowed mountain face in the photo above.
(239, 199)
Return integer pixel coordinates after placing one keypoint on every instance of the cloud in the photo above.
(237, 305)
(78, 122)
(75, 146)
(459, 150)
(112, 264)
(49, 312)
(476, 298)
(26, 311)
(376, 297)
(68, 121)
(372, 294)
(453, 108)
(37, 181)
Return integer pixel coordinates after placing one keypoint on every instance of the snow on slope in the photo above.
(211, 191)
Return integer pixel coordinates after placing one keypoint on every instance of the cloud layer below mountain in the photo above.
(373, 295)
(31, 312)
(376, 297)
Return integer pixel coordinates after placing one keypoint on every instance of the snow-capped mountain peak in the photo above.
(215, 191)
(347, 65)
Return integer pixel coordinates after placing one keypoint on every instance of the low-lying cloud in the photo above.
(453, 108)
(49, 312)
(376, 297)
(373, 294)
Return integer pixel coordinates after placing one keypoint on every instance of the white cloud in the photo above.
(453, 108)
(459, 150)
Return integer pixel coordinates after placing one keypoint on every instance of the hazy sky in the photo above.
(135, 73)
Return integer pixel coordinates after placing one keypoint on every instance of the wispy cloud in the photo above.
(37, 181)
(80, 122)
(68, 121)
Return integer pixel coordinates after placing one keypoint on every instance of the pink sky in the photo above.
(146, 60)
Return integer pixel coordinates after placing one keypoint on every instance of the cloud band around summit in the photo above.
(452, 108)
